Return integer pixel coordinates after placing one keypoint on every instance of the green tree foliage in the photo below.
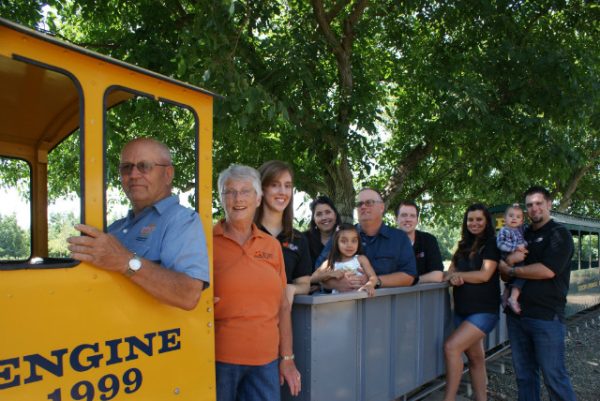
(444, 102)
(589, 250)
(60, 227)
(490, 91)
(63, 169)
(447, 235)
(15, 173)
(14, 241)
(25, 12)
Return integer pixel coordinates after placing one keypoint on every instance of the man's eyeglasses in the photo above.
(144, 167)
(367, 203)
(231, 193)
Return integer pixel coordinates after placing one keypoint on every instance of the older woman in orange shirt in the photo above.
(252, 316)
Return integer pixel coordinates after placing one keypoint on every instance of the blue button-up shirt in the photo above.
(168, 234)
(389, 251)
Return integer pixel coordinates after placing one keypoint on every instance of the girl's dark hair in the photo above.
(469, 244)
(335, 253)
(323, 200)
(269, 172)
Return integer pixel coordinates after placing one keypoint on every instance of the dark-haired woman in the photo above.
(474, 275)
(275, 216)
(323, 222)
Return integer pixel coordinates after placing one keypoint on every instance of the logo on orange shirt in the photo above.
(263, 255)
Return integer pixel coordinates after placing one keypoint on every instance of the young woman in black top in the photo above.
(275, 216)
(473, 274)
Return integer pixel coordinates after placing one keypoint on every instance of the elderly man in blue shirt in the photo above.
(389, 250)
(159, 245)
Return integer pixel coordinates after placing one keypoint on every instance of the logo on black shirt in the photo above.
(291, 246)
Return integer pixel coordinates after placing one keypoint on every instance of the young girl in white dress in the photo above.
(346, 258)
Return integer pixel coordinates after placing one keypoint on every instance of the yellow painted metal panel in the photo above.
(57, 311)
(67, 332)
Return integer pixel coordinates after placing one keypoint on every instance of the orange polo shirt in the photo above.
(250, 280)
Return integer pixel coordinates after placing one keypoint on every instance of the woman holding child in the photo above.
(474, 275)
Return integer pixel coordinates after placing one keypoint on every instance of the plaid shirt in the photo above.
(509, 238)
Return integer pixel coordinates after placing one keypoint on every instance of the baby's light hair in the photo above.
(514, 206)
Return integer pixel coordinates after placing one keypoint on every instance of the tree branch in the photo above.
(325, 26)
(573, 181)
(415, 156)
(337, 7)
(428, 185)
(349, 24)
(180, 10)
(357, 12)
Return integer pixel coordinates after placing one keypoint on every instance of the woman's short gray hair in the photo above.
(238, 172)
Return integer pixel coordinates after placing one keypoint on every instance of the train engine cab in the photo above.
(68, 330)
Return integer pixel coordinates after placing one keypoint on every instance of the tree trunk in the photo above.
(339, 178)
(340, 187)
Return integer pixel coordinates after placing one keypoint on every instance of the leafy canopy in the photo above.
(443, 102)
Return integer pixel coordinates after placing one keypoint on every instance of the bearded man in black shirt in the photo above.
(537, 334)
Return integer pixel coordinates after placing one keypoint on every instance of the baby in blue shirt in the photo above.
(510, 238)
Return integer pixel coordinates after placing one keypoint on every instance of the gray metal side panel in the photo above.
(406, 341)
(376, 352)
(302, 350)
(335, 351)
(432, 333)
(349, 347)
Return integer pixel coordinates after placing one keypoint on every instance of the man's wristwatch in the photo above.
(512, 272)
(287, 357)
(134, 264)
(378, 283)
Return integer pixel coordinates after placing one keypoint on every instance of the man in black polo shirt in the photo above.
(537, 334)
(427, 252)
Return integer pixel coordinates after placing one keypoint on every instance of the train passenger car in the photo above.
(584, 290)
(69, 331)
